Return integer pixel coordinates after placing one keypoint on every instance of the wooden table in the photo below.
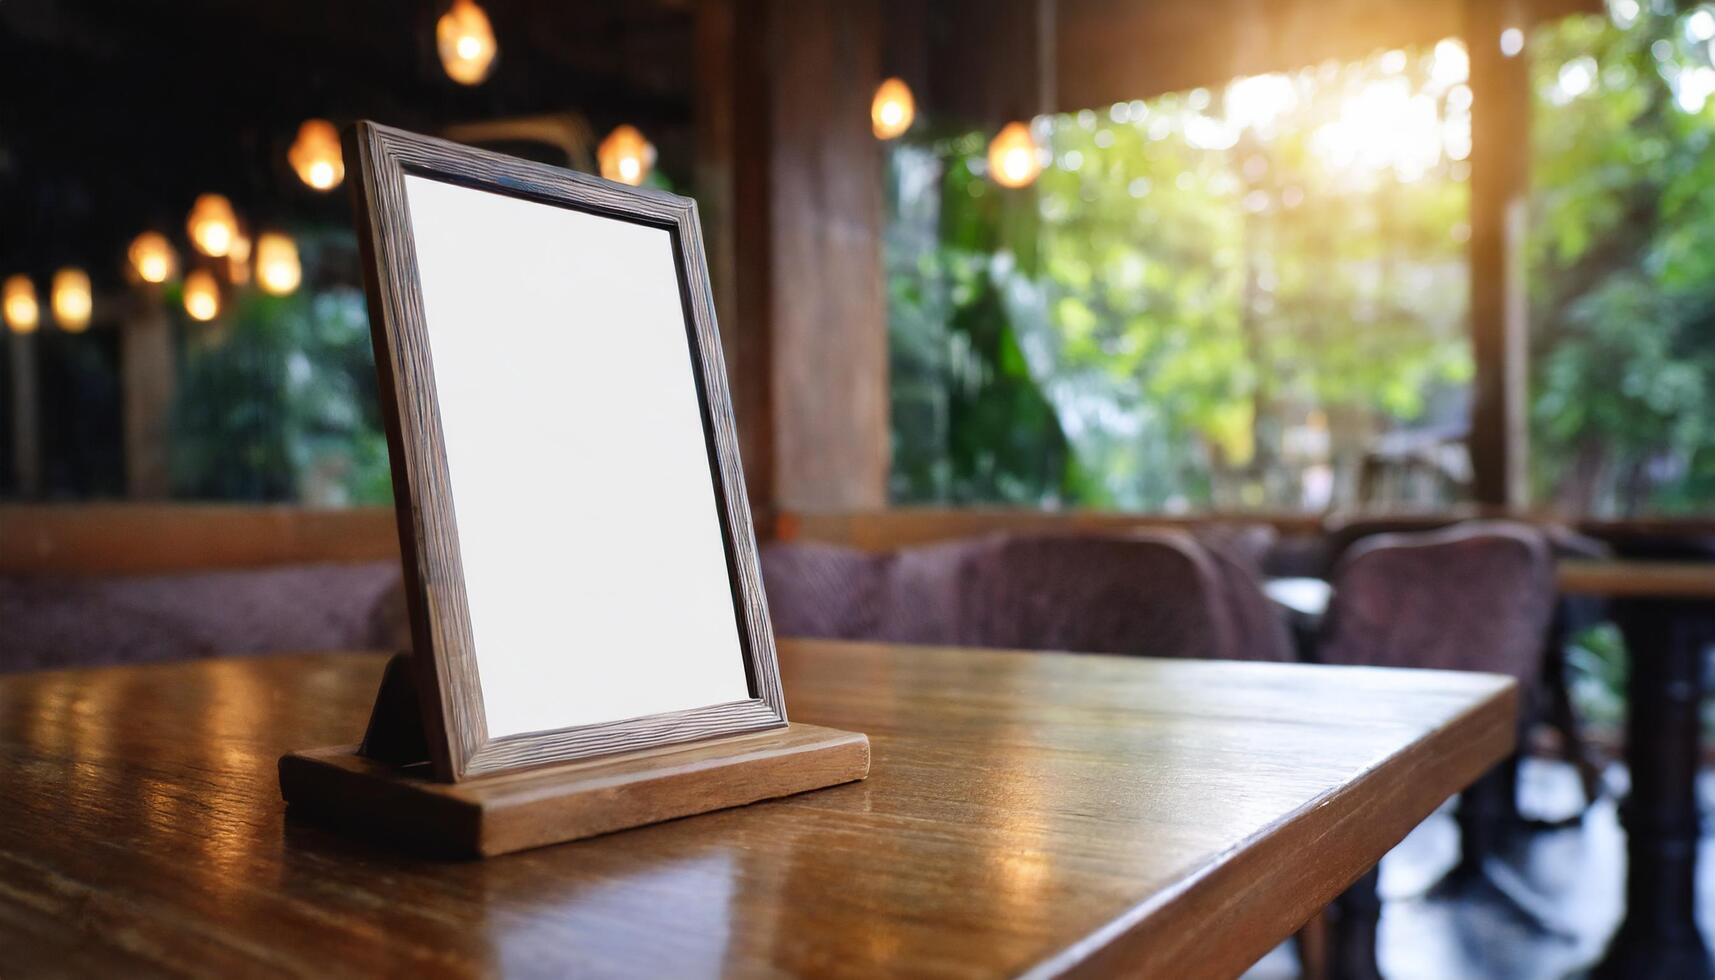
(1027, 813)
(1666, 610)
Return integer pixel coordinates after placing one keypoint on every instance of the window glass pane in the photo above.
(1246, 297)
(1622, 261)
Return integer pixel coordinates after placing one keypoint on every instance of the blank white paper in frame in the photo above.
(587, 524)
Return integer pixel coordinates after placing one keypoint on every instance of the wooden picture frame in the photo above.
(450, 699)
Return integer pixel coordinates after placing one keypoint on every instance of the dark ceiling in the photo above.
(117, 114)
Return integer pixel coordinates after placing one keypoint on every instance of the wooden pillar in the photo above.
(790, 179)
(148, 378)
(827, 298)
(1500, 159)
(732, 200)
(26, 417)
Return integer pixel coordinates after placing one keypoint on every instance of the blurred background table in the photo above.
(1666, 611)
(1025, 812)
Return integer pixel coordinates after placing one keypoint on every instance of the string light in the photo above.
(626, 156)
(315, 155)
(893, 109)
(202, 295)
(466, 43)
(277, 268)
(19, 304)
(1512, 42)
(71, 300)
(152, 257)
(212, 225)
(1013, 157)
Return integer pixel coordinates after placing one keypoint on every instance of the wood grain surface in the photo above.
(1025, 813)
(515, 811)
(145, 539)
(1629, 579)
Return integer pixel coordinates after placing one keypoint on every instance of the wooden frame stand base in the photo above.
(516, 810)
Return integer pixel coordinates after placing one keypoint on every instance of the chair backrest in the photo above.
(1157, 593)
(824, 590)
(1154, 593)
(1259, 627)
(1477, 596)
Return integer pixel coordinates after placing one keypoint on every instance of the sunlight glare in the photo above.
(1451, 64)
(1258, 101)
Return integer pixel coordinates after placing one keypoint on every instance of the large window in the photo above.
(1251, 297)
(1622, 261)
(1255, 297)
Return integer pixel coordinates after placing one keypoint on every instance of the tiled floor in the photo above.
(1570, 880)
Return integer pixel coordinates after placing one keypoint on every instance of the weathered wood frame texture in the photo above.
(447, 680)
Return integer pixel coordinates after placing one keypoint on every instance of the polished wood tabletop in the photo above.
(1026, 813)
(1623, 578)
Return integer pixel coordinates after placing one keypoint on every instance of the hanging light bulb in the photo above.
(626, 156)
(71, 300)
(152, 257)
(212, 225)
(315, 155)
(277, 267)
(202, 295)
(238, 260)
(466, 43)
(893, 110)
(1013, 158)
(19, 304)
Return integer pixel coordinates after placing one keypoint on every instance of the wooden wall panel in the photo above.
(148, 538)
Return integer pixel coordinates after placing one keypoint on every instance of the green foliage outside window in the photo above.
(276, 400)
(1623, 263)
(1229, 298)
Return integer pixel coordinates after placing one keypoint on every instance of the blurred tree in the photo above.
(277, 401)
(1198, 290)
(971, 423)
(1623, 261)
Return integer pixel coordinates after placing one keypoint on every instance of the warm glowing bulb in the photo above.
(1013, 157)
(315, 155)
(202, 295)
(277, 266)
(19, 306)
(152, 258)
(212, 225)
(893, 109)
(71, 300)
(626, 156)
(465, 41)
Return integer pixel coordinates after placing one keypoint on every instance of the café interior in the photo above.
(1327, 343)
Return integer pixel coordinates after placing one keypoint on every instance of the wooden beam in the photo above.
(26, 417)
(1117, 50)
(902, 527)
(148, 378)
(993, 61)
(114, 539)
(732, 135)
(1500, 158)
(827, 311)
